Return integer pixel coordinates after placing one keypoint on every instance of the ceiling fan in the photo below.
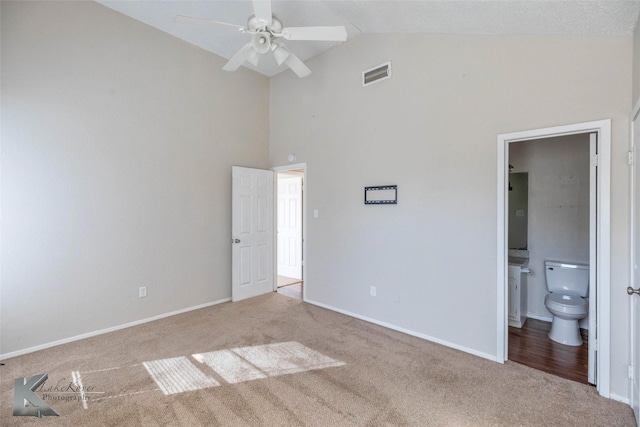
(265, 29)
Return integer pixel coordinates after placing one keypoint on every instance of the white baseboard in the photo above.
(538, 317)
(107, 330)
(619, 398)
(407, 331)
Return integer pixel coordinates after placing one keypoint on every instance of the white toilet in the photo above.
(568, 286)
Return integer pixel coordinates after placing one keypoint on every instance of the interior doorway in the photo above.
(550, 199)
(599, 256)
(290, 196)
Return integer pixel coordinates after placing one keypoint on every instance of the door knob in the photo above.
(235, 240)
(632, 291)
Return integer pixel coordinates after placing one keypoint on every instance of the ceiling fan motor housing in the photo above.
(255, 25)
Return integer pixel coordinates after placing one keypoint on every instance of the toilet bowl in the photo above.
(567, 310)
(568, 286)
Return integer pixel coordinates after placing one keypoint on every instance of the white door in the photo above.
(290, 226)
(251, 232)
(634, 315)
(592, 376)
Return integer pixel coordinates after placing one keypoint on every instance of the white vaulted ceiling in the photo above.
(582, 17)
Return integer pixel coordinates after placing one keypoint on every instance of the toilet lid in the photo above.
(569, 300)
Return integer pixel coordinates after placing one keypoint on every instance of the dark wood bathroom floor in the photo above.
(531, 346)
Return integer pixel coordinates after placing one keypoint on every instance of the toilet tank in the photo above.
(567, 277)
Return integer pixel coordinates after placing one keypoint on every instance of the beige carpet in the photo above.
(322, 369)
(292, 291)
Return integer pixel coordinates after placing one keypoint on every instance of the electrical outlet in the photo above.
(142, 291)
(372, 291)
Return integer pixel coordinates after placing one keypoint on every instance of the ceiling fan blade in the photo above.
(338, 34)
(253, 58)
(238, 59)
(207, 23)
(262, 9)
(280, 53)
(296, 65)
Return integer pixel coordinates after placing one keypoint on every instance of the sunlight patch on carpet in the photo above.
(285, 358)
(237, 365)
(230, 366)
(177, 375)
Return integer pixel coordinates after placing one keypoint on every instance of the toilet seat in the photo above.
(566, 303)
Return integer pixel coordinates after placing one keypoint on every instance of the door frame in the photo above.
(285, 168)
(603, 246)
(633, 333)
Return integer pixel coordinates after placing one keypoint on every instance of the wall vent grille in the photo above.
(376, 74)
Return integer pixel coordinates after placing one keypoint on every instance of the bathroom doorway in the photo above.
(596, 218)
(290, 232)
(549, 219)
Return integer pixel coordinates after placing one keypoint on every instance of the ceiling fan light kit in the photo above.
(264, 28)
(261, 43)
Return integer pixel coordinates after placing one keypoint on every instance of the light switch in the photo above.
(315, 213)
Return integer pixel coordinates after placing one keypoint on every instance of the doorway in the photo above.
(289, 224)
(549, 205)
(599, 257)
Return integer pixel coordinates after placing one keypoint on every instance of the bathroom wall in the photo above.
(558, 207)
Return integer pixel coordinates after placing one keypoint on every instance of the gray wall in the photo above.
(636, 63)
(432, 130)
(558, 207)
(117, 147)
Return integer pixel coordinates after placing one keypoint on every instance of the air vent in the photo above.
(376, 74)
